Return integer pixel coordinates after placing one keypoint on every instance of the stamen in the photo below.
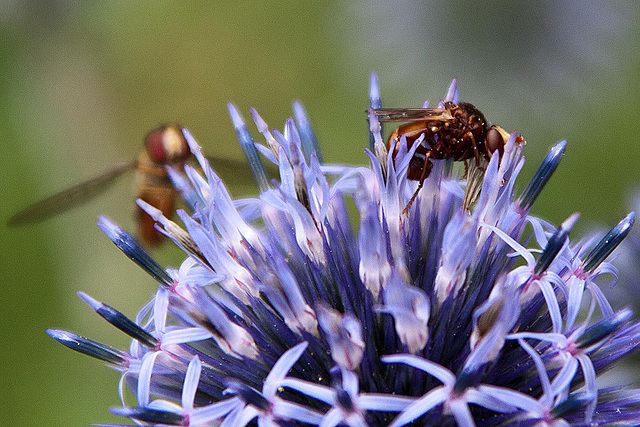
(465, 378)
(120, 321)
(248, 394)
(173, 231)
(452, 93)
(609, 242)
(147, 415)
(89, 347)
(603, 329)
(182, 185)
(555, 243)
(374, 102)
(307, 135)
(541, 177)
(128, 245)
(574, 403)
(379, 148)
(344, 333)
(263, 128)
(344, 400)
(248, 146)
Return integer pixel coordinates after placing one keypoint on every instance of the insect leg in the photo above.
(476, 153)
(426, 169)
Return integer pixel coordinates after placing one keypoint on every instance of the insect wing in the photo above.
(475, 177)
(69, 198)
(411, 114)
(237, 171)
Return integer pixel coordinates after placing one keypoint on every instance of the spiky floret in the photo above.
(288, 313)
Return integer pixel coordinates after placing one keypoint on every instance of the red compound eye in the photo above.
(166, 144)
(495, 142)
(153, 142)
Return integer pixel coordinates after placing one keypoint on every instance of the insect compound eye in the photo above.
(166, 144)
(155, 147)
(495, 142)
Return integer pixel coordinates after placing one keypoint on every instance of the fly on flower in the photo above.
(457, 131)
(286, 311)
(163, 146)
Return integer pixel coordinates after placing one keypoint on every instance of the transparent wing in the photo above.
(69, 198)
(238, 171)
(410, 114)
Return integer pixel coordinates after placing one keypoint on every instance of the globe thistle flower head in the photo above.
(451, 305)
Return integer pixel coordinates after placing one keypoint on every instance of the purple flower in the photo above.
(291, 310)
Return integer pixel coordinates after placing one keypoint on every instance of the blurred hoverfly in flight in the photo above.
(164, 145)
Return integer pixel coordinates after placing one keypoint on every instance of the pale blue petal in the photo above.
(317, 391)
(438, 371)
(524, 252)
(184, 335)
(281, 368)
(190, 385)
(210, 413)
(509, 398)
(144, 378)
(563, 379)
(461, 413)
(288, 410)
(332, 418)
(421, 406)
(384, 402)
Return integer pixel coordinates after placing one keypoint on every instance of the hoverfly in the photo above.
(164, 145)
(458, 131)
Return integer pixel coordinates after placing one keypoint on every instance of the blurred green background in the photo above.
(82, 82)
